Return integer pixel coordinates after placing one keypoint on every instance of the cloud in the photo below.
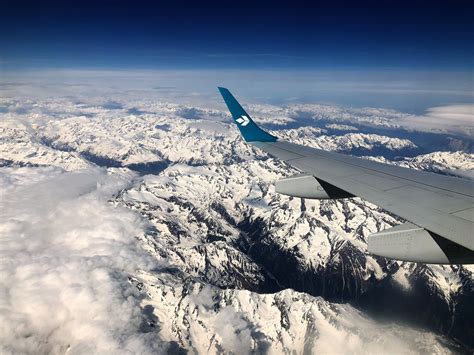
(66, 254)
(389, 88)
(452, 119)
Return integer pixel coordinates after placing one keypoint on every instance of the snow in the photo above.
(341, 127)
(204, 241)
(241, 321)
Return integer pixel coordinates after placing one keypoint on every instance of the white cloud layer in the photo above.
(66, 254)
(452, 119)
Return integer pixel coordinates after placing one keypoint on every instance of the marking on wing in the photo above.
(243, 120)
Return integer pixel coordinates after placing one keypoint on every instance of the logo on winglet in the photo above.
(243, 120)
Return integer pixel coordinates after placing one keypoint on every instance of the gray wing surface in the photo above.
(440, 208)
(441, 204)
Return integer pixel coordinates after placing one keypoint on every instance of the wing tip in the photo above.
(249, 130)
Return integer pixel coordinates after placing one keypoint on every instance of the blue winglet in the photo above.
(249, 130)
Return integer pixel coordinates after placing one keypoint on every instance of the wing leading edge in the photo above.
(440, 208)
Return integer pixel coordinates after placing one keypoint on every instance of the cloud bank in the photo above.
(66, 254)
(451, 119)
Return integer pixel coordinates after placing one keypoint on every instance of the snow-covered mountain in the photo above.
(193, 245)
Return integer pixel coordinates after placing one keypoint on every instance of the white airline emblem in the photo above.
(243, 121)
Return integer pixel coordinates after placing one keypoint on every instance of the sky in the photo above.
(406, 55)
(238, 34)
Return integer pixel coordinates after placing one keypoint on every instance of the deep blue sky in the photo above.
(237, 34)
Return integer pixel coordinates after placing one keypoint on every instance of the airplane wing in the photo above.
(440, 209)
